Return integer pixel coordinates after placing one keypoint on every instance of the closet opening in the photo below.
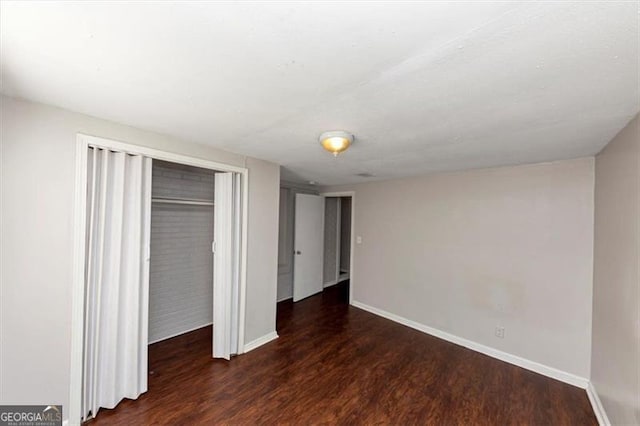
(159, 261)
(181, 255)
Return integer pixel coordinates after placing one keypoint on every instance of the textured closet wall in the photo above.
(172, 180)
(330, 240)
(181, 270)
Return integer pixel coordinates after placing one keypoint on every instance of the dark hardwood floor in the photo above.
(337, 364)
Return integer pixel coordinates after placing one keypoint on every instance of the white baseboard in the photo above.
(596, 404)
(545, 370)
(284, 298)
(260, 341)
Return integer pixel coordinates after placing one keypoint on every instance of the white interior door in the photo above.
(226, 261)
(308, 246)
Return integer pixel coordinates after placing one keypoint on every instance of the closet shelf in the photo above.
(187, 201)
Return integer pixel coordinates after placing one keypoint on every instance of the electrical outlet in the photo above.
(358, 239)
(500, 331)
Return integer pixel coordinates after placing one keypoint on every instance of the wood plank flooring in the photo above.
(336, 364)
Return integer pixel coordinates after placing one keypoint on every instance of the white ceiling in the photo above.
(424, 86)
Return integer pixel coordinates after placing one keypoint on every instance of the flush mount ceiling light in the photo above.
(336, 141)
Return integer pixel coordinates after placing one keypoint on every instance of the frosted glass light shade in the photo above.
(336, 141)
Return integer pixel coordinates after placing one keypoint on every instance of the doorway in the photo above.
(323, 243)
(180, 212)
(337, 240)
(343, 246)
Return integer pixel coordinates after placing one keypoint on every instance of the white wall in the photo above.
(262, 273)
(615, 368)
(464, 252)
(38, 158)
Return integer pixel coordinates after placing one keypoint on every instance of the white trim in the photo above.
(597, 406)
(180, 333)
(284, 298)
(338, 236)
(260, 341)
(338, 194)
(352, 259)
(83, 142)
(77, 284)
(536, 367)
(243, 258)
(157, 154)
(352, 256)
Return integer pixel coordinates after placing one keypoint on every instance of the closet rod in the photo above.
(187, 201)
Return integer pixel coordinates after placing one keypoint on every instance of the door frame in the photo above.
(352, 195)
(83, 142)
